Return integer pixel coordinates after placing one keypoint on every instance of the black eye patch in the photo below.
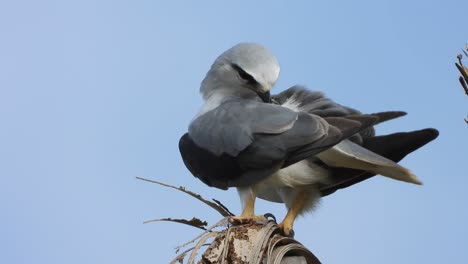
(244, 75)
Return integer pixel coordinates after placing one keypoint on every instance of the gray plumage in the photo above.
(264, 137)
(231, 127)
(288, 149)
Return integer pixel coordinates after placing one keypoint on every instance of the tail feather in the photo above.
(349, 155)
(389, 115)
(396, 146)
(393, 146)
(370, 131)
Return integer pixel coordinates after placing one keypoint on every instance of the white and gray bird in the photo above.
(292, 148)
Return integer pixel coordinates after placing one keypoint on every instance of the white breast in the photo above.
(300, 174)
(282, 186)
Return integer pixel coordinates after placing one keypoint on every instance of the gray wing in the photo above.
(264, 137)
(309, 136)
(230, 127)
(347, 154)
(316, 103)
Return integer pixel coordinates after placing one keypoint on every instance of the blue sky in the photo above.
(94, 93)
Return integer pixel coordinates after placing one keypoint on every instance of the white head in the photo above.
(246, 70)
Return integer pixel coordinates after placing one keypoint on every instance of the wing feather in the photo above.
(230, 127)
(260, 139)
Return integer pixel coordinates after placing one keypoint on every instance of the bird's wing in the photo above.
(315, 102)
(263, 137)
(309, 135)
(347, 127)
(230, 128)
(348, 153)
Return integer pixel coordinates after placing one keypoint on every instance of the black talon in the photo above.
(291, 234)
(288, 234)
(270, 215)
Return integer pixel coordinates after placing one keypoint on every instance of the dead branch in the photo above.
(219, 208)
(463, 79)
(253, 243)
(195, 222)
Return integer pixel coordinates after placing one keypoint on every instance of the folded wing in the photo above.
(255, 139)
(363, 154)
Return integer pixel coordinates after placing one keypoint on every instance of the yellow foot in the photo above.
(297, 207)
(247, 219)
(287, 229)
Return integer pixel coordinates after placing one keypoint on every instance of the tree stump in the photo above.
(256, 243)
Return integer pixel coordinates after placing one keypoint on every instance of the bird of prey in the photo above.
(291, 148)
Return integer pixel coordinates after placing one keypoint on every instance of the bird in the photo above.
(294, 147)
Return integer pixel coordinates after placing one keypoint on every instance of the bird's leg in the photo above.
(297, 207)
(248, 196)
(248, 210)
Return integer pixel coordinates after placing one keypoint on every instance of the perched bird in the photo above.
(291, 148)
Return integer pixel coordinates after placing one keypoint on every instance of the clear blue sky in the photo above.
(94, 93)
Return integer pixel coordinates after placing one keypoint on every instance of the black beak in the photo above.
(265, 97)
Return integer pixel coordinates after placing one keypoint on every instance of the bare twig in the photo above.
(195, 222)
(463, 79)
(223, 222)
(200, 244)
(220, 209)
(224, 207)
(181, 256)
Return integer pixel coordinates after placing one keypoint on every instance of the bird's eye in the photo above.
(244, 75)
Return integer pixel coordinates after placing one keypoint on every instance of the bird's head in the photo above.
(245, 70)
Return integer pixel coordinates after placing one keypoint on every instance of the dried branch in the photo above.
(195, 222)
(224, 207)
(463, 84)
(181, 256)
(200, 244)
(222, 223)
(463, 79)
(219, 208)
(255, 242)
